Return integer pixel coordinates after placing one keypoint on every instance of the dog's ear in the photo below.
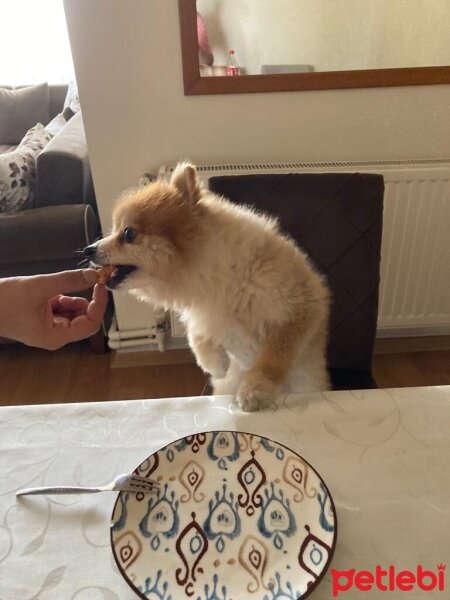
(184, 178)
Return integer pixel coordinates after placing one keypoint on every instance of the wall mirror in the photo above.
(293, 45)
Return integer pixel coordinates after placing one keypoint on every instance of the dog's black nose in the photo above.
(90, 251)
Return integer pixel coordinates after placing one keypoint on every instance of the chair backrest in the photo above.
(336, 218)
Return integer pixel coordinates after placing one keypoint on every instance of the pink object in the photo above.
(203, 41)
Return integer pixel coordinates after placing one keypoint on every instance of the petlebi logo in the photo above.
(388, 580)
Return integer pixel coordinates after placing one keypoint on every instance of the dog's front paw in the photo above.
(255, 393)
(217, 364)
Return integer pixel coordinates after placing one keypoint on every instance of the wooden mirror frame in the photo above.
(326, 80)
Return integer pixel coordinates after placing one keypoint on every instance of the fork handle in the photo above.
(58, 490)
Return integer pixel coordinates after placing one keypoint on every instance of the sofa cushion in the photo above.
(56, 96)
(72, 100)
(20, 109)
(17, 170)
(56, 124)
(6, 148)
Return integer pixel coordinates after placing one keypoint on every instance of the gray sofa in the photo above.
(44, 238)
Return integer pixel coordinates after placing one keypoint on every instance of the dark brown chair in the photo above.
(336, 218)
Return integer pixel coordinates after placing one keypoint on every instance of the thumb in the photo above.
(67, 282)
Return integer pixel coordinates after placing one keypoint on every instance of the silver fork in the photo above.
(122, 483)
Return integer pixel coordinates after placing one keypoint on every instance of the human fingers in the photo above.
(84, 325)
(65, 282)
(69, 304)
(97, 306)
(66, 330)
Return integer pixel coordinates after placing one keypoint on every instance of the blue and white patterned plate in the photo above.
(238, 517)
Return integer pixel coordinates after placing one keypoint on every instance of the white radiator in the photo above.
(415, 254)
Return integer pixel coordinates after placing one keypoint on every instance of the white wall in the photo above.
(128, 65)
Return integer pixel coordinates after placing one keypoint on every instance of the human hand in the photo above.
(35, 311)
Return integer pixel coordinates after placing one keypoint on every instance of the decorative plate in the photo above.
(237, 517)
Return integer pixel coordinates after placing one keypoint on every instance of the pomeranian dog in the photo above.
(255, 311)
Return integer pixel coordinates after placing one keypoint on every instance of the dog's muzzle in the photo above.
(121, 271)
(90, 251)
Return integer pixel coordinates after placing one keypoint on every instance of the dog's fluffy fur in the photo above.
(255, 311)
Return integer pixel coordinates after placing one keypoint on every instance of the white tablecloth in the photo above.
(384, 454)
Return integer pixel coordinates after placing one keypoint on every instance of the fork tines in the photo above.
(142, 483)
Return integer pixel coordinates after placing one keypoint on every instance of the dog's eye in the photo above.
(129, 235)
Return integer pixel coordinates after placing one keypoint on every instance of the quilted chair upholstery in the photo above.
(336, 218)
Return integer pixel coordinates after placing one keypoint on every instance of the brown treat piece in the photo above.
(105, 274)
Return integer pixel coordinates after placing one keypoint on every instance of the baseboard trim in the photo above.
(182, 356)
(151, 358)
(399, 345)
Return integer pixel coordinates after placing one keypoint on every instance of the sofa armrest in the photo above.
(63, 174)
(45, 240)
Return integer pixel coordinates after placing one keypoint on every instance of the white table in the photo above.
(384, 454)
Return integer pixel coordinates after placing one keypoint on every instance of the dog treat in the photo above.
(105, 274)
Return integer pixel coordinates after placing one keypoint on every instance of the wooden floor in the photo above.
(75, 374)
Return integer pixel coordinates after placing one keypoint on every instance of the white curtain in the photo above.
(34, 44)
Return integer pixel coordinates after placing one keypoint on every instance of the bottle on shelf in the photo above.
(232, 66)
